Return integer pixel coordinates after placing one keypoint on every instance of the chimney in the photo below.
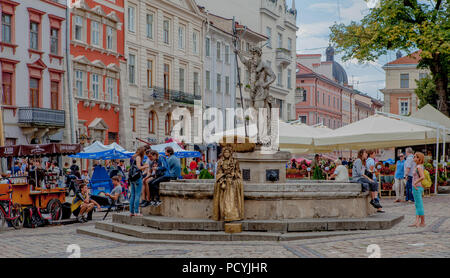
(399, 54)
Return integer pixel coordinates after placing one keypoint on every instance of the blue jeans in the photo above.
(135, 196)
(409, 193)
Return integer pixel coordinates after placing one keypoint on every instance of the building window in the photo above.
(110, 89)
(323, 98)
(289, 108)
(54, 95)
(404, 80)
(6, 28)
(219, 54)
(131, 19)
(194, 42)
(289, 79)
(404, 107)
(329, 100)
(7, 88)
(280, 40)
(149, 73)
(79, 82)
(208, 47)
(166, 31)
(133, 118)
(289, 43)
(78, 28)
(196, 87)
(181, 79)
(166, 80)
(219, 83)
(227, 84)
(168, 124)
(95, 33)
(181, 37)
(280, 105)
(109, 38)
(334, 102)
(34, 92)
(112, 137)
(54, 45)
(280, 76)
(34, 35)
(95, 86)
(208, 80)
(150, 26)
(131, 69)
(227, 54)
(269, 37)
(152, 122)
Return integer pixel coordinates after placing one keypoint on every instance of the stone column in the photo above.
(125, 131)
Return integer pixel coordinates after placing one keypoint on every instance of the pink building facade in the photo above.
(319, 99)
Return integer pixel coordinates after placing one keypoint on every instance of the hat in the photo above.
(401, 154)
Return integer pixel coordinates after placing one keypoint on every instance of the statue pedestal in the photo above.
(262, 167)
(233, 228)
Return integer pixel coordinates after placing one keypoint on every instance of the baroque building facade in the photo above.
(277, 22)
(164, 52)
(97, 56)
(33, 68)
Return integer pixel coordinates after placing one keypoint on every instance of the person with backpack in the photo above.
(418, 185)
(135, 178)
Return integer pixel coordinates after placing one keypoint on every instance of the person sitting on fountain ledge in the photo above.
(167, 170)
(359, 175)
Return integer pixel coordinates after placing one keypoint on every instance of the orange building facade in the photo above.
(97, 49)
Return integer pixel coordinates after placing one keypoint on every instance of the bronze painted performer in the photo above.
(228, 189)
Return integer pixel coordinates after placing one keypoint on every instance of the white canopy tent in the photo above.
(377, 131)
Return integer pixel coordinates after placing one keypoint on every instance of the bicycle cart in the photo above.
(37, 188)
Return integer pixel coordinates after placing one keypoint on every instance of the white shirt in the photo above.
(341, 173)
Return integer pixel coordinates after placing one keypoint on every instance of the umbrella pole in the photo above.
(437, 162)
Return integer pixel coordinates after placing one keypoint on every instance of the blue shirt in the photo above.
(400, 171)
(174, 166)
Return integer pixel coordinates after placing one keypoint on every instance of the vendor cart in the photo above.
(37, 187)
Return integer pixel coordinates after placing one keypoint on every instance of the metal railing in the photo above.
(42, 116)
(159, 94)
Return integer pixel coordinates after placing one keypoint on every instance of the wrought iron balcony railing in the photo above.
(41, 116)
(159, 94)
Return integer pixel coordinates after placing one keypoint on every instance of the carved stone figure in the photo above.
(261, 77)
(228, 200)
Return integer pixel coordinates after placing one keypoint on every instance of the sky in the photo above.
(314, 19)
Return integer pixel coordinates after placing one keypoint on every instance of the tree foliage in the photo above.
(405, 25)
(426, 92)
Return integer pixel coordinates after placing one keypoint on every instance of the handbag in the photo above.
(368, 174)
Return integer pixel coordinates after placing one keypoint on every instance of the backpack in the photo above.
(426, 182)
(134, 174)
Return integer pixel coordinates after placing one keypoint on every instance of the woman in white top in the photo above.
(341, 172)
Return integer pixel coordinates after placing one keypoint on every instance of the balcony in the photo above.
(158, 94)
(283, 57)
(41, 117)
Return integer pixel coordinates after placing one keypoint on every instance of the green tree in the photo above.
(402, 25)
(426, 92)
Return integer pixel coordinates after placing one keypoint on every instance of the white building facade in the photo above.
(164, 52)
(32, 51)
(277, 23)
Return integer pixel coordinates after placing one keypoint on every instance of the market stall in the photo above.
(37, 187)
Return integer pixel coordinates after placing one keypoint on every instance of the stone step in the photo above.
(375, 222)
(132, 234)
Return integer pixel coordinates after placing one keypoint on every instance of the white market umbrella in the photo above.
(376, 131)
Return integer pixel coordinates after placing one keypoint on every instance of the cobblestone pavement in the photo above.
(400, 241)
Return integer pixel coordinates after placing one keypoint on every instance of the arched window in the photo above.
(152, 122)
(168, 124)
